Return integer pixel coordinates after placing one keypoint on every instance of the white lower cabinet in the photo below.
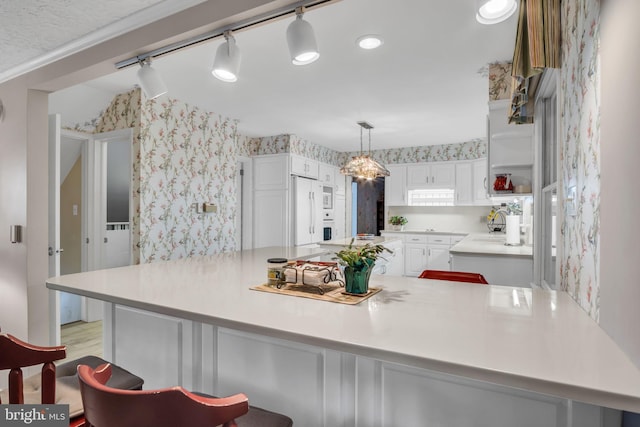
(317, 386)
(427, 251)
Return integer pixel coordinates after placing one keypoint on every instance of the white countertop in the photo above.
(525, 338)
(489, 244)
(377, 240)
(426, 231)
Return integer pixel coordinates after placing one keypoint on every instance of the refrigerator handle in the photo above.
(313, 213)
(310, 214)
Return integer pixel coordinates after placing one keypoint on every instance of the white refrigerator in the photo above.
(307, 211)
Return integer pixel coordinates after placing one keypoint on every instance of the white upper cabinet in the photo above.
(395, 186)
(431, 175)
(341, 182)
(326, 174)
(472, 182)
(271, 172)
(464, 183)
(480, 182)
(302, 166)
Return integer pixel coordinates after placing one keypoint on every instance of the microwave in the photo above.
(327, 197)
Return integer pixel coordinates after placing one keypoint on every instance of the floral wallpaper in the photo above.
(579, 253)
(188, 156)
(469, 150)
(183, 156)
(500, 81)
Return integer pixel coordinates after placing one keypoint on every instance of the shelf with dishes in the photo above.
(513, 178)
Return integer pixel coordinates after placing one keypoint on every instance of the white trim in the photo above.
(136, 20)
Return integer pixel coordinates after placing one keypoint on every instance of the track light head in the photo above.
(227, 61)
(150, 79)
(302, 41)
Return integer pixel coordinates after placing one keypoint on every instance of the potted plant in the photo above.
(358, 261)
(398, 222)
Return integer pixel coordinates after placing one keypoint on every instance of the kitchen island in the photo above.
(487, 254)
(421, 352)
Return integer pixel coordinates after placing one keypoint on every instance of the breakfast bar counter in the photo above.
(419, 350)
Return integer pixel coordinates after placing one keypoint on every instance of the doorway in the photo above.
(72, 219)
(368, 206)
(90, 212)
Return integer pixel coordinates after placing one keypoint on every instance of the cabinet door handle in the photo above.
(485, 183)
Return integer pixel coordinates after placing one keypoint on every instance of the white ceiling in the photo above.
(36, 32)
(424, 86)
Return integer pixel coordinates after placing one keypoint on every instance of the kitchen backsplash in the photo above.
(443, 218)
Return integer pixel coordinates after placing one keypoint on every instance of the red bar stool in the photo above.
(55, 384)
(168, 407)
(454, 276)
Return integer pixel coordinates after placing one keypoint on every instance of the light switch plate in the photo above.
(209, 208)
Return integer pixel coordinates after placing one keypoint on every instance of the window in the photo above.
(546, 131)
(432, 197)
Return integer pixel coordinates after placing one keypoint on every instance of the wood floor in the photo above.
(82, 339)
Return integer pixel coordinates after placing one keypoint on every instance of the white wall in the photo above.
(13, 199)
(620, 175)
(443, 218)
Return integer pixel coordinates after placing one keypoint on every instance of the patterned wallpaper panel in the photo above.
(187, 157)
(580, 152)
(469, 150)
(500, 81)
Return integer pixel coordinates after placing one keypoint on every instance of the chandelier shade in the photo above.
(364, 166)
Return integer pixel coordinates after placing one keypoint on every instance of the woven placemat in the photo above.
(332, 293)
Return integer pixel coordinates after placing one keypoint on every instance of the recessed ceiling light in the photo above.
(369, 41)
(494, 11)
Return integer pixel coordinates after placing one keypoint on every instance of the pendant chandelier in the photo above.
(363, 166)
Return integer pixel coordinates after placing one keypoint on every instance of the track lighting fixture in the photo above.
(494, 11)
(301, 40)
(150, 79)
(227, 61)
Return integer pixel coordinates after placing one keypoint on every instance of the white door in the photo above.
(415, 258)
(270, 220)
(54, 195)
(443, 175)
(395, 186)
(114, 201)
(303, 212)
(480, 189)
(54, 225)
(316, 212)
(464, 192)
(438, 257)
(244, 204)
